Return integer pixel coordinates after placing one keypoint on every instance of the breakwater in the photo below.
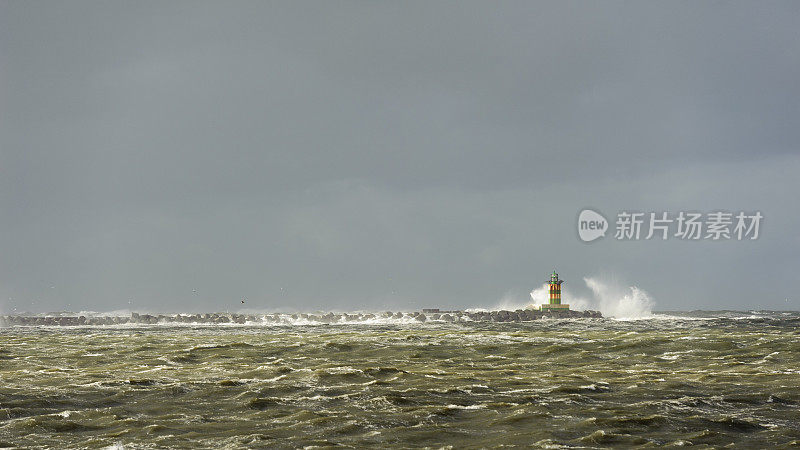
(520, 315)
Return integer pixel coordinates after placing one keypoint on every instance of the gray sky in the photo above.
(374, 155)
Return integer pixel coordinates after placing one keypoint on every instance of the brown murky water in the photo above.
(710, 381)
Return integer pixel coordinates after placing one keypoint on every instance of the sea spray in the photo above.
(614, 300)
(541, 294)
(611, 299)
(511, 302)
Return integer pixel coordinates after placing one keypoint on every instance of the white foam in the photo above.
(116, 446)
(476, 406)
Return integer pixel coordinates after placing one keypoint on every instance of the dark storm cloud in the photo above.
(371, 155)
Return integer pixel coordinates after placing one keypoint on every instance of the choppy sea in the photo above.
(707, 379)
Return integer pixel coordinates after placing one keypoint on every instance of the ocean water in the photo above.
(703, 378)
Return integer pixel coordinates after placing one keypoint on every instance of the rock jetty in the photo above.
(520, 315)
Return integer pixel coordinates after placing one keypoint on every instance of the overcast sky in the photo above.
(178, 156)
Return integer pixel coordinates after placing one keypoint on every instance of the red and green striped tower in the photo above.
(555, 294)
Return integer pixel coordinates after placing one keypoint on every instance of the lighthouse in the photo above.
(555, 295)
